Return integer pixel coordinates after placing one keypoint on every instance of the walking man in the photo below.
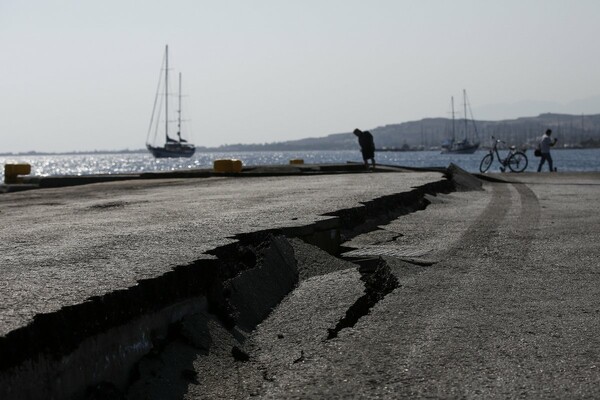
(545, 144)
(367, 146)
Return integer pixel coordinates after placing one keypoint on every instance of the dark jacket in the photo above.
(367, 145)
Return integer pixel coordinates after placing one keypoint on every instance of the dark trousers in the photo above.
(545, 156)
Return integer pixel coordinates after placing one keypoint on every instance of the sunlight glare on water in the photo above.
(123, 163)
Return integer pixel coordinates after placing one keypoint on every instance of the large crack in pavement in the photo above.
(242, 306)
(214, 305)
(379, 281)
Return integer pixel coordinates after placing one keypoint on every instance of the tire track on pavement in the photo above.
(481, 232)
(463, 316)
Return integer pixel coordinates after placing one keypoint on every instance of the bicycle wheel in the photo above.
(517, 162)
(486, 162)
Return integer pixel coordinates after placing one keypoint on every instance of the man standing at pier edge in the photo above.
(545, 144)
(367, 146)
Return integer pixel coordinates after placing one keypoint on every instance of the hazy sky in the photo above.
(82, 75)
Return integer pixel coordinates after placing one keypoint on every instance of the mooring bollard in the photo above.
(12, 172)
(227, 165)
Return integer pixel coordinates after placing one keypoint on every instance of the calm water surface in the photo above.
(86, 164)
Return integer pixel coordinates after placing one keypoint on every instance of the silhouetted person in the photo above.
(545, 144)
(367, 146)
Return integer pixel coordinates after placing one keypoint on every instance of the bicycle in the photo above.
(515, 160)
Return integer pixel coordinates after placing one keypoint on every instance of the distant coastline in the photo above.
(218, 150)
(66, 153)
(573, 132)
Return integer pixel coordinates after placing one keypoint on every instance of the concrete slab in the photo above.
(509, 310)
(61, 246)
(504, 306)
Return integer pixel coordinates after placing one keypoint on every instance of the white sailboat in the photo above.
(469, 143)
(178, 147)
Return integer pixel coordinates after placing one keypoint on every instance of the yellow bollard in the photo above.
(227, 165)
(12, 172)
(296, 161)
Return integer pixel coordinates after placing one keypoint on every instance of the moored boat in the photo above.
(470, 142)
(178, 147)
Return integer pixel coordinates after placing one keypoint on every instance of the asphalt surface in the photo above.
(506, 306)
(497, 290)
(60, 247)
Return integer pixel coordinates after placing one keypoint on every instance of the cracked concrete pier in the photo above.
(392, 284)
(92, 276)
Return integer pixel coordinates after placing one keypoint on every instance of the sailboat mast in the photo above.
(179, 111)
(453, 125)
(166, 93)
(465, 105)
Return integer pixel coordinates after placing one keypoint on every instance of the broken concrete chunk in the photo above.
(255, 292)
(463, 181)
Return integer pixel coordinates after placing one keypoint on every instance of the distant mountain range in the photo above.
(572, 130)
(501, 111)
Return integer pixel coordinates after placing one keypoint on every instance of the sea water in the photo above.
(119, 163)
